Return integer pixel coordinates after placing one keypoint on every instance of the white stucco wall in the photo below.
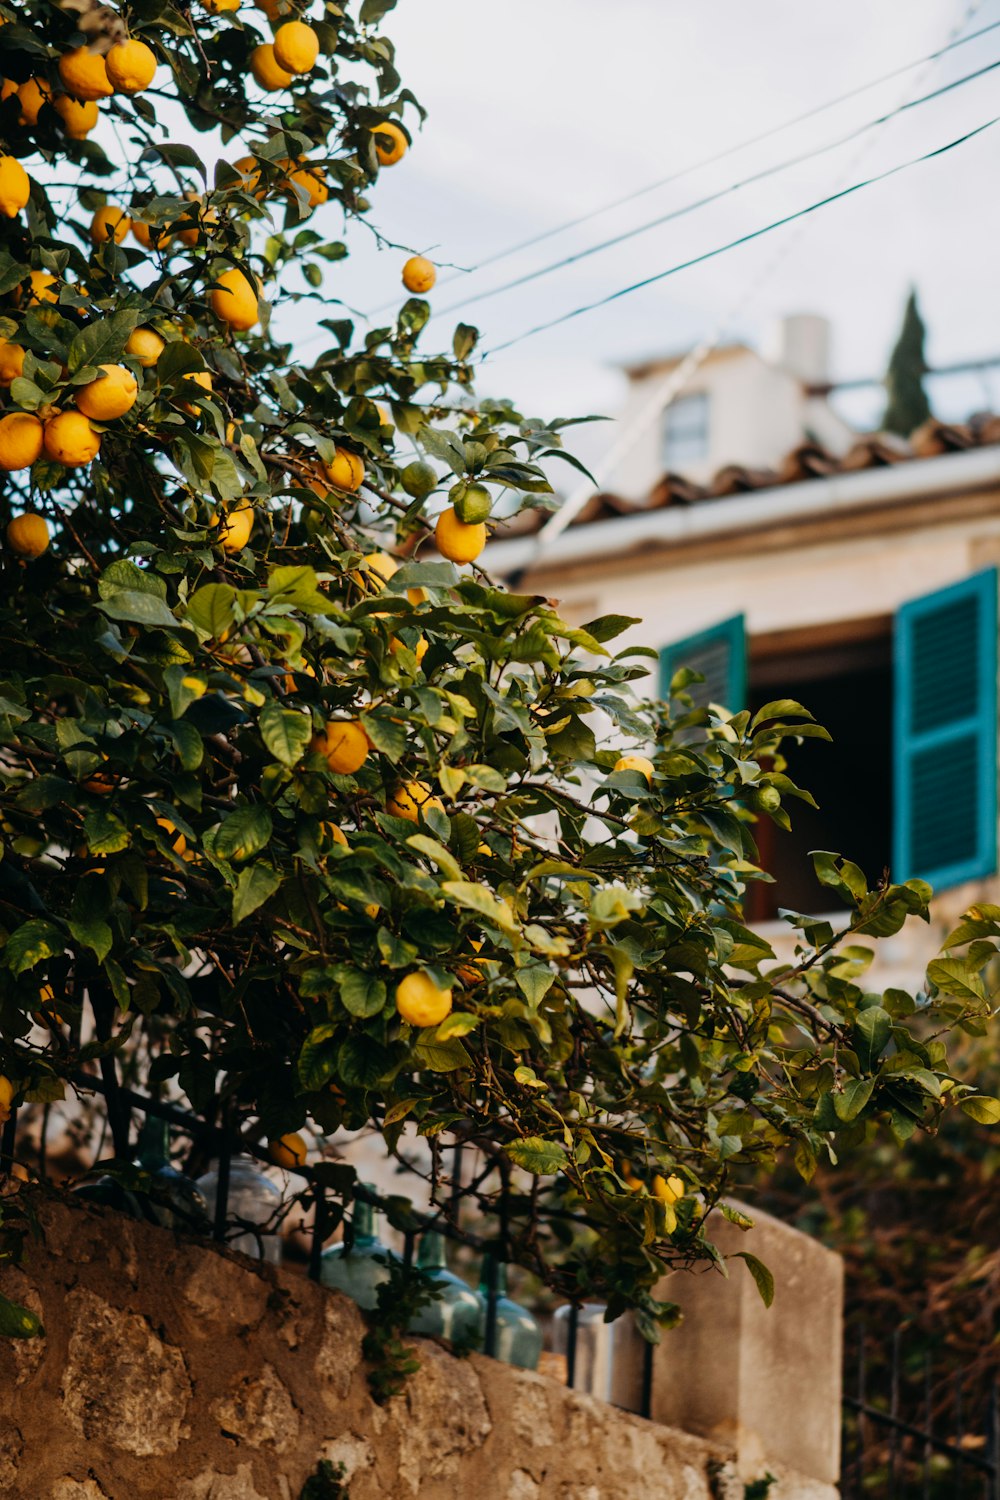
(757, 412)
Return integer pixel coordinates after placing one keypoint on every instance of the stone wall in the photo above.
(175, 1371)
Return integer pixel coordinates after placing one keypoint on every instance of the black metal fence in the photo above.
(220, 1142)
(913, 1428)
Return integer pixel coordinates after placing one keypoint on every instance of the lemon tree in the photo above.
(302, 814)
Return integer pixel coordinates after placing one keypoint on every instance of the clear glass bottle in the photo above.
(518, 1336)
(358, 1268)
(457, 1313)
(175, 1200)
(595, 1347)
(253, 1198)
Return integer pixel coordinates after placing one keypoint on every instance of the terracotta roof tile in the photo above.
(809, 460)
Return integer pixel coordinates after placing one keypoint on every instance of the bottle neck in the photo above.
(497, 1271)
(430, 1252)
(154, 1142)
(364, 1224)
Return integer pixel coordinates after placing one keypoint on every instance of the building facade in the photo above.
(863, 584)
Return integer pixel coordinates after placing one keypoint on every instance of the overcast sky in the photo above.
(540, 110)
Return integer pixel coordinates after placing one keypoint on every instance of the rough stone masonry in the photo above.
(176, 1371)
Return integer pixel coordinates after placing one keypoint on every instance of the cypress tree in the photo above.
(907, 404)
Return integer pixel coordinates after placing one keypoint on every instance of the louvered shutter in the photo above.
(945, 734)
(720, 655)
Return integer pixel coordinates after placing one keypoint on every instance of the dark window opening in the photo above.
(843, 676)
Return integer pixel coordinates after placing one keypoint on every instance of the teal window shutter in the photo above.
(720, 655)
(945, 734)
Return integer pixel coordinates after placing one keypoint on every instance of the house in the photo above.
(858, 577)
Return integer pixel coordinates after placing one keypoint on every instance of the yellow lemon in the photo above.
(180, 843)
(111, 395)
(7, 1092)
(411, 800)
(11, 362)
(288, 1151)
(249, 167)
(21, 440)
(145, 345)
(27, 535)
(344, 746)
(346, 473)
(234, 300)
(198, 219)
(266, 69)
(31, 96)
(235, 529)
(43, 287)
(202, 378)
(84, 75)
(420, 1001)
(79, 116)
(310, 180)
(390, 143)
(130, 66)
(456, 541)
(330, 833)
(216, 7)
(109, 223)
(378, 569)
(296, 47)
(669, 1190)
(419, 274)
(636, 763)
(15, 186)
(70, 439)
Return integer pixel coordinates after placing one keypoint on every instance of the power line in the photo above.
(708, 161)
(743, 239)
(715, 197)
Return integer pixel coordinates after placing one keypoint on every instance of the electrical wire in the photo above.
(709, 161)
(743, 239)
(715, 197)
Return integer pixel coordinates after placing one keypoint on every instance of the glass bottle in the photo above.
(457, 1312)
(595, 1347)
(518, 1339)
(253, 1198)
(358, 1268)
(175, 1200)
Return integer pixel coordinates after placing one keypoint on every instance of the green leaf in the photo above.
(480, 899)
(286, 732)
(362, 994)
(540, 1157)
(853, 1097)
(102, 342)
(318, 1059)
(362, 1062)
(139, 608)
(982, 1108)
(30, 943)
(243, 834)
(871, 1032)
(762, 1276)
(255, 885)
(211, 609)
(459, 1023)
(104, 833)
(440, 1057)
(956, 976)
(18, 1322)
(436, 852)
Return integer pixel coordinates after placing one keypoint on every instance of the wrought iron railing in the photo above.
(915, 1429)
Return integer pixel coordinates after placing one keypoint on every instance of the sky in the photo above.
(542, 110)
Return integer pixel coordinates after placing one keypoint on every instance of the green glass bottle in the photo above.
(518, 1339)
(457, 1312)
(359, 1269)
(175, 1200)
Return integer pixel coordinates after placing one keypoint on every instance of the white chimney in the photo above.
(800, 344)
